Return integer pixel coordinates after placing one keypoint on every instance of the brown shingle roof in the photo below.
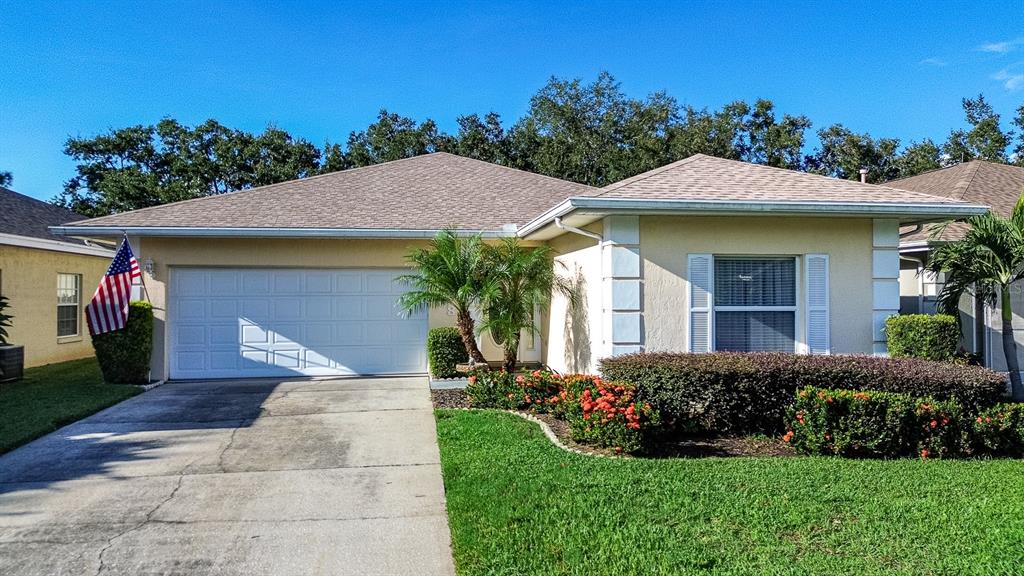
(702, 177)
(427, 192)
(977, 181)
(24, 216)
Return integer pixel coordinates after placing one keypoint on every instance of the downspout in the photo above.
(600, 263)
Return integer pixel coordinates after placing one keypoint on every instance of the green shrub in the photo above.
(444, 350)
(930, 337)
(999, 430)
(876, 425)
(731, 392)
(606, 414)
(124, 355)
(5, 319)
(598, 413)
(492, 389)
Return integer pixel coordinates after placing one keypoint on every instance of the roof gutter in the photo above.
(919, 211)
(53, 245)
(188, 231)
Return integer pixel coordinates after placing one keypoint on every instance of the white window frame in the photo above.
(77, 305)
(798, 346)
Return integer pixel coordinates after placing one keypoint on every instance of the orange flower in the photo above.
(924, 454)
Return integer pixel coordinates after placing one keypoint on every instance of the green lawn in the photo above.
(519, 505)
(54, 395)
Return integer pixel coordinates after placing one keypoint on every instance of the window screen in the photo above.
(748, 282)
(68, 302)
(755, 304)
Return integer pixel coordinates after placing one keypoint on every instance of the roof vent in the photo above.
(864, 175)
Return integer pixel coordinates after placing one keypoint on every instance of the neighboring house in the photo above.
(46, 278)
(704, 254)
(979, 182)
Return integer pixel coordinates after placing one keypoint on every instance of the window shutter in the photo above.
(700, 274)
(817, 312)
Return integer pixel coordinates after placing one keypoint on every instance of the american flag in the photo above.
(108, 310)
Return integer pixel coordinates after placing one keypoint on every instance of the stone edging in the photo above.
(547, 432)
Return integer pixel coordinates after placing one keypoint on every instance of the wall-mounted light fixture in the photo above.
(149, 269)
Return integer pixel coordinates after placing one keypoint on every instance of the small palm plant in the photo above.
(985, 263)
(450, 272)
(522, 281)
(5, 320)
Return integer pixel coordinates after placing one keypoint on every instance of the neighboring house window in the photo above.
(68, 304)
(755, 304)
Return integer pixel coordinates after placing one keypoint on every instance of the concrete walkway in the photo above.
(250, 477)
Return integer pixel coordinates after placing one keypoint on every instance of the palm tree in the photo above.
(986, 262)
(450, 272)
(521, 283)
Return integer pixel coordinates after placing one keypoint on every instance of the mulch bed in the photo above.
(453, 398)
(696, 447)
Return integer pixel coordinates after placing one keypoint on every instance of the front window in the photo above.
(755, 304)
(68, 304)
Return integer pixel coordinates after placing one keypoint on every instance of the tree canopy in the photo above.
(592, 133)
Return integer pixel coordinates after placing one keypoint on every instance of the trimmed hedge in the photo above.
(999, 430)
(444, 350)
(930, 337)
(124, 355)
(877, 425)
(732, 392)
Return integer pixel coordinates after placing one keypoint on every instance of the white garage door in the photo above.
(253, 322)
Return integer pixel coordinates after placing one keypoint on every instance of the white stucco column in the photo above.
(885, 275)
(622, 314)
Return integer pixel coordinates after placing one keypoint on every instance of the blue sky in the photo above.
(323, 69)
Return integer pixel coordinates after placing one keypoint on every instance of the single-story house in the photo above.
(46, 279)
(977, 182)
(298, 278)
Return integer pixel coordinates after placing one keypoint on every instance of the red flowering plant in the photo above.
(941, 430)
(492, 389)
(606, 414)
(538, 391)
(871, 424)
(1000, 430)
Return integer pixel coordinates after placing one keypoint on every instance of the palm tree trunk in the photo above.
(511, 355)
(465, 324)
(1010, 344)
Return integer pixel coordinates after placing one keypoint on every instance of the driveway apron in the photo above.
(242, 477)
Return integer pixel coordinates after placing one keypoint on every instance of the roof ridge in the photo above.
(777, 169)
(513, 169)
(652, 172)
(977, 168)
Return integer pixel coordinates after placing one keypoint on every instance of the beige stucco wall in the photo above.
(28, 277)
(666, 241)
(572, 337)
(266, 252)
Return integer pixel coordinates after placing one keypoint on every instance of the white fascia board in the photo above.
(906, 212)
(189, 231)
(53, 245)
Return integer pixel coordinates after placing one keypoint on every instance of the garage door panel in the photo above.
(255, 310)
(287, 308)
(251, 322)
(287, 282)
(319, 282)
(223, 283)
(223, 308)
(254, 283)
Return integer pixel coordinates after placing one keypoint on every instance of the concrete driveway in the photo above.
(250, 477)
